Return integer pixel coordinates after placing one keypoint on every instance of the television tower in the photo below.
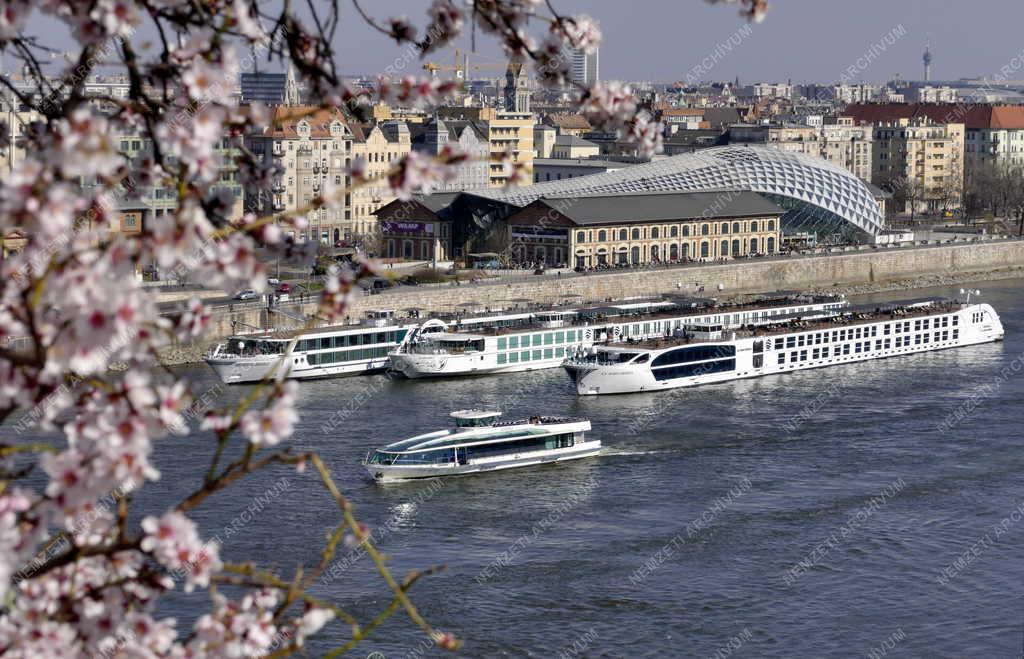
(927, 59)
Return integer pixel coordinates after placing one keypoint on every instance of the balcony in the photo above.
(277, 186)
(305, 151)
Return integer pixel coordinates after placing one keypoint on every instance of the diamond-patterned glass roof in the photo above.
(759, 169)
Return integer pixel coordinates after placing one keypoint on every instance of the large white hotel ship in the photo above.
(543, 339)
(704, 353)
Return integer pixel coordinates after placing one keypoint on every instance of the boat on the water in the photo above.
(310, 353)
(543, 339)
(704, 353)
(479, 442)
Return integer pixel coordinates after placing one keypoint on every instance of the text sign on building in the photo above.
(415, 228)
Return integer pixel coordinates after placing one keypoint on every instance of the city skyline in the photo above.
(783, 47)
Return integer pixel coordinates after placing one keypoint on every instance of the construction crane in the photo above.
(461, 66)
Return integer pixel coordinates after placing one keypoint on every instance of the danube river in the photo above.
(858, 509)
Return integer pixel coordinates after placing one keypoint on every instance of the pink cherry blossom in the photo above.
(270, 426)
(174, 542)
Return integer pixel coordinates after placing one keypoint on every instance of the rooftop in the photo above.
(661, 206)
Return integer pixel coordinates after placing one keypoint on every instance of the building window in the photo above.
(753, 245)
(771, 245)
(654, 232)
(725, 248)
(623, 234)
(753, 225)
(673, 252)
(704, 248)
(704, 229)
(636, 234)
(736, 247)
(602, 236)
(581, 237)
(725, 227)
(673, 231)
(771, 226)
(686, 230)
(735, 227)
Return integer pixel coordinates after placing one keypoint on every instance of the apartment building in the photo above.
(922, 159)
(436, 134)
(843, 143)
(380, 145)
(313, 147)
(507, 132)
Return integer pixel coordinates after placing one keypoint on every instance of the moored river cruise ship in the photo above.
(543, 339)
(310, 353)
(479, 442)
(704, 353)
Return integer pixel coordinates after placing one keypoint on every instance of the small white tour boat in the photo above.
(479, 442)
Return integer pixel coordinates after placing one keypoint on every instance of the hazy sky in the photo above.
(806, 40)
(664, 40)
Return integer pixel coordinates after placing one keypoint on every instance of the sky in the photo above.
(824, 41)
(802, 40)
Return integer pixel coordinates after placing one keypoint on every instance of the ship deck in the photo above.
(861, 315)
(594, 317)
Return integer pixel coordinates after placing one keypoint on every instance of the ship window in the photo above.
(537, 338)
(693, 354)
(513, 342)
(525, 355)
(548, 338)
(917, 339)
(846, 349)
(502, 343)
(536, 354)
(803, 355)
(513, 357)
(691, 370)
(792, 357)
(559, 337)
(956, 332)
(559, 352)
(790, 341)
(502, 358)
(779, 343)
(782, 358)
(548, 353)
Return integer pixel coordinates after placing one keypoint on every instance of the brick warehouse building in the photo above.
(645, 227)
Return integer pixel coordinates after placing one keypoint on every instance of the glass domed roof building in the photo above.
(818, 196)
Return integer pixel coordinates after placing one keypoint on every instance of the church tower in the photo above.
(517, 87)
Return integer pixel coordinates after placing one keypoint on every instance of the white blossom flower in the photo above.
(174, 542)
(270, 426)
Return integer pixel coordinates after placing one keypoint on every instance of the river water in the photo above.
(837, 512)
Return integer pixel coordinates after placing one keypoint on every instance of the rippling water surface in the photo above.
(811, 514)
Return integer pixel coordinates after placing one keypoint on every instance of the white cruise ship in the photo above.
(311, 353)
(479, 442)
(705, 353)
(543, 339)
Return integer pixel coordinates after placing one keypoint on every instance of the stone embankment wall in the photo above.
(856, 272)
(747, 276)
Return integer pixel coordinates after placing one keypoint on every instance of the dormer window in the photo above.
(302, 128)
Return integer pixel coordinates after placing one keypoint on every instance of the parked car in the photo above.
(247, 294)
(273, 281)
(284, 288)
